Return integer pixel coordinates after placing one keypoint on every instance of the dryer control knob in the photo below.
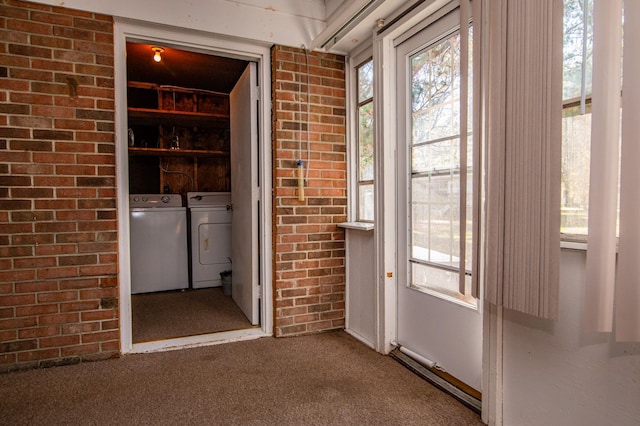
(165, 199)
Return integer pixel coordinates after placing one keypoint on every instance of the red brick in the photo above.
(38, 355)
(23, 311)
(31, 74)
(53, 181)
(54, 204)
(18, 323)
(75, 215)
(84, 327)
(74, 237)
(57, 273)
(79, 283)
(7, 313)
(66, 101)
(98, 293)
(56, 249)
(6, 359)
(58, 296)
(74, 170)
(58, 319)
(79, 349)
(73, 56)
(99, 248)
(13, 12)
(34, 262)
(89, 259)
(79, 306)
(96, 159)
(113, 346)
(59, 341)
(18, 345)
(74, 124)
(30, 51)
(55, 227)
(100, 336)
(93, 25)
(99, 315)
(110, 325)
(16, 300)
(51, 18)
(75, 192)
(321, 325)
(15, 251)
(99, 270)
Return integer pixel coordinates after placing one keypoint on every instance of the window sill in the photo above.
(573, 245)
(360, 226)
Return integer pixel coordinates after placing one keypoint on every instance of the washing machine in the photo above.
(210, 214)
(158, 241)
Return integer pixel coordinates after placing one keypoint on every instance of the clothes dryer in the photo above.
(210, 214)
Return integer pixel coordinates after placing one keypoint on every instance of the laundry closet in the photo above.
(180, 200)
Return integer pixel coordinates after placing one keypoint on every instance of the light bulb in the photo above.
(156, 55)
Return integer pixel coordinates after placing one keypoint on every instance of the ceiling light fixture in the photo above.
(156, 55)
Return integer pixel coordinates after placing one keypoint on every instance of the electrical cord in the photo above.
(176, 172)
(306, 54)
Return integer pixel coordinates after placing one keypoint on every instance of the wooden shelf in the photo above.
(149, 116)
(164, 152)
(200, 119)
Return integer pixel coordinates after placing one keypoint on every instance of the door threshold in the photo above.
(198, 341)
(470, 401)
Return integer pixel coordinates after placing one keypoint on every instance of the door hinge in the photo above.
(259, 292)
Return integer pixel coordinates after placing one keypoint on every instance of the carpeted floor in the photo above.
(322, 379)
(184, 313)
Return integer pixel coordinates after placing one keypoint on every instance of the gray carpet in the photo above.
(322, 379)
(184, 313)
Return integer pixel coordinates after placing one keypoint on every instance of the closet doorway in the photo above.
(181, 105)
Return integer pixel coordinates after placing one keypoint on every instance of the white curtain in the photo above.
(603, 290)
(523, 116)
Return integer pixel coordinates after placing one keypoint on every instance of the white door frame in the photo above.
(130, 30)
(385, 240)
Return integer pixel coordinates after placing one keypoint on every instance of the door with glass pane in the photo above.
(438, 318)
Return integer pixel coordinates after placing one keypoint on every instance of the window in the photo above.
(576, 117)
(437, 171)
(364, 86)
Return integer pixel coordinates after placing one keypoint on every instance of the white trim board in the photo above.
(198, 341)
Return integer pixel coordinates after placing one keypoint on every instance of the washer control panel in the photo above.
(155, 200)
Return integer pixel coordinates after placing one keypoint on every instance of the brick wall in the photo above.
(58, 224)
(309, 262)
(58, 243)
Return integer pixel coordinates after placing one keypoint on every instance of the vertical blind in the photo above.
(603, 289)
(523, 116)
(464, 84)
(477, 13)
(603, 179)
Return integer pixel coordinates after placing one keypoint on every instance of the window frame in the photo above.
(445, 29)
(358, 62)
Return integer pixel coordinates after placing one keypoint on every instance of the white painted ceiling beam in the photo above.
(287, 22)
